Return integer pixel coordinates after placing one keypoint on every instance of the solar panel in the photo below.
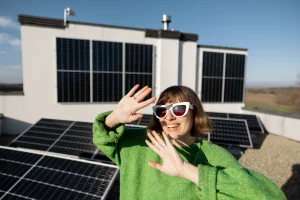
(204, 137)
(252, 120)
(27, 175)
(141, 123)
(73, 70)
(145, 120)
(217, 114)
(60, 136)
(233, 132)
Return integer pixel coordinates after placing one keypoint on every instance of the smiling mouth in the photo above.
(172, 126)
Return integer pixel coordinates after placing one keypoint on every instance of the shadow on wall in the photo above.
(292, 187)
(13, 126)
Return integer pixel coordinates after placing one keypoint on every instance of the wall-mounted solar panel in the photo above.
(73, 70)
(217, 114)
(138, 66)
(25, 175)
(60, 136)
(212, 75)
(252, 120)
(233, 132)
(107, 71)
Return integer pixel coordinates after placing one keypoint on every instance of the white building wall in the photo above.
(223, 107)
(279, 125)
(40, 74)
(168, 64)
(187, 66)
(2, 104)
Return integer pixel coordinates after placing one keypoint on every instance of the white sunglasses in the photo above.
(178, 109)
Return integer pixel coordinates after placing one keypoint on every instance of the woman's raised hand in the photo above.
(125, 111)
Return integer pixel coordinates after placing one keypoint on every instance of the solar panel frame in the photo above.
(231, 144)
(217, 114)
(40, 161)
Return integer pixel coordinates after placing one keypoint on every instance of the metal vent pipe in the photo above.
(166, 20)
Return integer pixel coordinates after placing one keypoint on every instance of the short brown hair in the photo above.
(201, 125)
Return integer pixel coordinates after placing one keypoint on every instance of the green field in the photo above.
(270, 107)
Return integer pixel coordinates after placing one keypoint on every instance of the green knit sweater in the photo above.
(220, 175)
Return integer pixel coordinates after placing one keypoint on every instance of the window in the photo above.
(111, 75)
(218, 86)
(73, 70)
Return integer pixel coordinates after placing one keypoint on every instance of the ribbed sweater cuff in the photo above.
(207, 181)
(115, 133)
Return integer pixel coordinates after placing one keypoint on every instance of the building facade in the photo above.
(76, 71)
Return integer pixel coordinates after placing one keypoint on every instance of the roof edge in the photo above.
(59, 23)
(221, 47)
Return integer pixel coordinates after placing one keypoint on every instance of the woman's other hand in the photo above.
(172, 162)
(125, 111)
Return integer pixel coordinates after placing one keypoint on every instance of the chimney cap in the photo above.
(166, 18)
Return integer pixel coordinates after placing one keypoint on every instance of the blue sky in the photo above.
(270, 29)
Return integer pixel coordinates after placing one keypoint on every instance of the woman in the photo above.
(170, 163)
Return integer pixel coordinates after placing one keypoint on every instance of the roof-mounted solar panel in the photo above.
(60, 136)
(252, 120)
(217, 114)
(27, 175)
(232, 132)
(145, 121)
(141, 123)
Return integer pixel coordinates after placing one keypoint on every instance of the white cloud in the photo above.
(6, 22)
(3, 37)
(15, 42)
(14, 67)
(7, 39)
(11, 74)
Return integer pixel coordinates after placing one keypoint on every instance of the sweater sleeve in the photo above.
(224, 178)
(107, 139)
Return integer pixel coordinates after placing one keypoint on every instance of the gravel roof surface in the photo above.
(279, 160)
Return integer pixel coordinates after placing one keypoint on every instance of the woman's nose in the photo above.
(170, 115)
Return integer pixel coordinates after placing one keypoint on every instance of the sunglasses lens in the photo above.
(161, 112)
(179, 110)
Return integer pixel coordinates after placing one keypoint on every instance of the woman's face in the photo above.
(177, 127)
